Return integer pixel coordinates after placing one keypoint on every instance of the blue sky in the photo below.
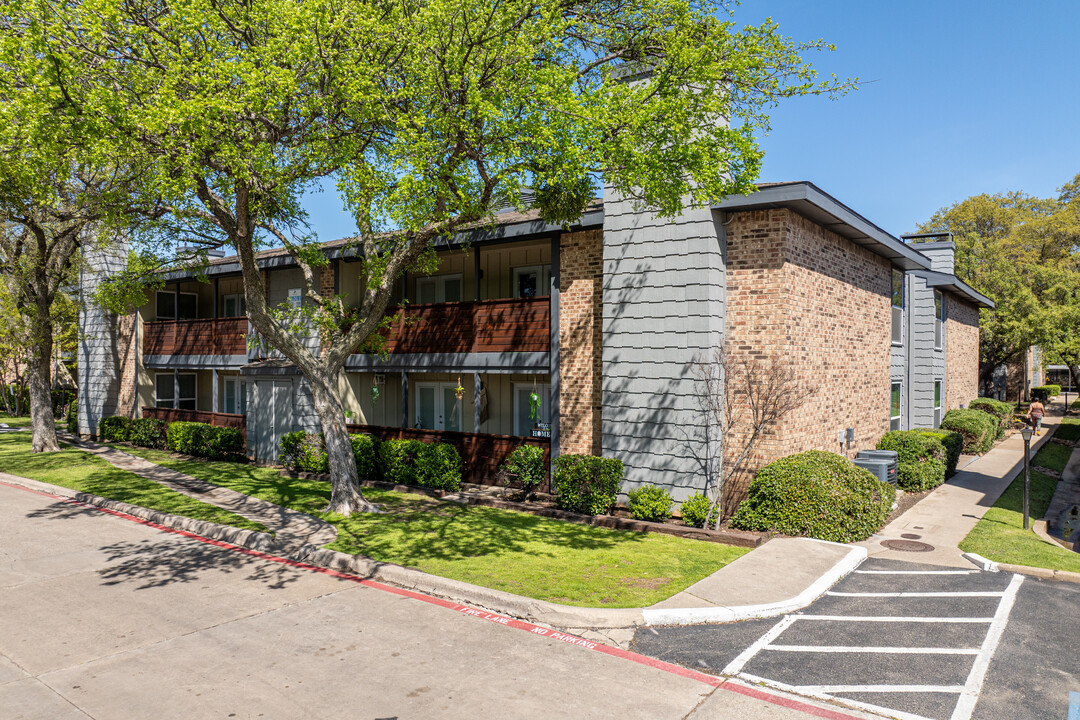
(958, 98)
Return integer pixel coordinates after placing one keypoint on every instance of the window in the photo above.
(939, 318)
(897, 307)
(235, 395)
(937, 403)
(532, 281)
(895, 407)
(165, 387)
(438, 289)
(167, 305)
(437, 407)
(234, 305)
(523, 423)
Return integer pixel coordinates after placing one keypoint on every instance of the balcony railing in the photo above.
(507, 325)
(171, 415)
(224, 336)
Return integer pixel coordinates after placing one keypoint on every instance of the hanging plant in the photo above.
(459, 391)
(534, 406)
(374, 390)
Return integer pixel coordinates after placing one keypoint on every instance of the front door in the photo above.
(273, 417)
(437, 407)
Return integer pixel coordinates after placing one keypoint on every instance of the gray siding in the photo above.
(98, 360)
(941, 255)
(663, 300)
(927, 362)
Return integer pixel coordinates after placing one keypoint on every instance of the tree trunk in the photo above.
(345, 495)
(41, 414)
(1074, 371)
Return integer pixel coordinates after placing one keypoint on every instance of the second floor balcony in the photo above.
(504, 325)
(222, 336)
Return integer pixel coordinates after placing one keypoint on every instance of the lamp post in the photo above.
(1026, 432)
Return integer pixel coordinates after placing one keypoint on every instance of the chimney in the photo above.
(938, 247)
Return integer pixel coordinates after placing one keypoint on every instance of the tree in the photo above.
(742, 398)
(1023, 253)
(426, 113)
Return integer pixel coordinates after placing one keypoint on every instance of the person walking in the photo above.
(1036, 412)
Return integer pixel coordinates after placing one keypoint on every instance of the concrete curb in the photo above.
(689, 616)
(1044, 573)
(504, 603)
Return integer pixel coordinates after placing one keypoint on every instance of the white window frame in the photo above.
(176, 304)
(239, 386)
(897, 342)
(176, 400)
(897, 420)
(543, 390)
(439, 283)
(440, 411)
(939, 320)
(239, 299)
(939, 393)
(543, 279)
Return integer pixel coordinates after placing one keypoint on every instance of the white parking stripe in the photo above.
(915, 594)
(892, 618)
(736, 665)
(886, 650)
(837, 689)
(916, 572)
(869, 707)
(966, 705)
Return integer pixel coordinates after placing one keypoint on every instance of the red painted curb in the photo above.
(711, 680)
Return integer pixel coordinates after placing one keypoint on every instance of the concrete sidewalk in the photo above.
(946, 516)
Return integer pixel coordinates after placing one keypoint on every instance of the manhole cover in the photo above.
(911, 536)
(907, 545)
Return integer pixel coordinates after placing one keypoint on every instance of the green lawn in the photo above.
(14, 421)
(75, 469)
(516, 552)
(1000, 535)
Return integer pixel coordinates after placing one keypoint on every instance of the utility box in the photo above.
(882, 463)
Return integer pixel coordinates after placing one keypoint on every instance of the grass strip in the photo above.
(1000, 534)
(75, 469)
(516, 552)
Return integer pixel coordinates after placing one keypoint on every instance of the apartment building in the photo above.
(580, 340)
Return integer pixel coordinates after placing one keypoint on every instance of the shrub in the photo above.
(978, 428)
(397, 461)
(116, 428)
(304, 452)
(148, 432)
(1046, 391)
(438, 466)
(695, 511)
(816, 494)
(526, 463)
(202, 440)
(73, 417)
(1003, 411)
(365, 449)
(920, 459)
(587, 484)
(953, 443)
(651, 503)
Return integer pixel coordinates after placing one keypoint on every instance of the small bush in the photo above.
(116, 428)
(587, 484)
(304, 452)
(953, 443)
(438, 465)
(920, 459)
(978, 428)
(695, 511)
(816, 494)
(365, 451)
(526, 463)
(202, 440)
(651, 503)
(148, 432)
(1046, 391)
(1003, 411)
(397, 461)
(73, 417)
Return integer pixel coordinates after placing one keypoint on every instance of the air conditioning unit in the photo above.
(882, 463)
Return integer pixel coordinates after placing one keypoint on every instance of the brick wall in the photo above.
(961, 353)
(580, 307)
(127, 351)
(821, 303)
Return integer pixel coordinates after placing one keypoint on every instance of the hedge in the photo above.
(816, 494)
(953, 443)
(587, 484)
(116, 428)
(920, 457)
(651, 503)
(696, 509)
(978, 428)
(413, 462)
(1003, 411)
(526, 463)
(1046, 391)
(148, 432)
(203, 440)
(306, 452)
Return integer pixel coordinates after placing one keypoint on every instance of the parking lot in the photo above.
(901, 639)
